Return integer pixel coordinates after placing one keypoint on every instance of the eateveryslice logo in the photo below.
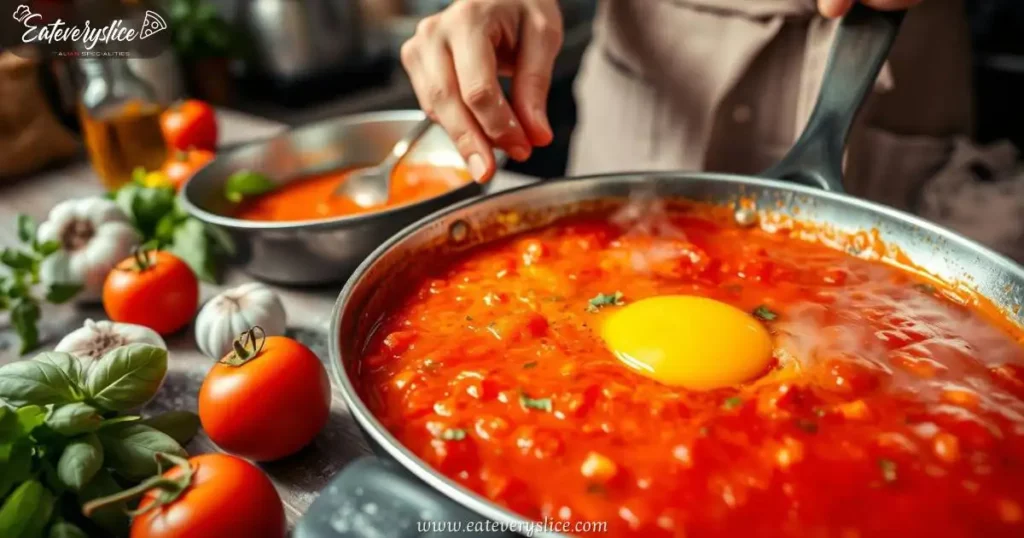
(99, 28)
(36, 31)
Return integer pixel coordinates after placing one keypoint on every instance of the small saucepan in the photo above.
(321, 251)
(393, 494)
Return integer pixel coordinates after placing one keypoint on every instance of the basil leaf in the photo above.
(27, 511)
(16, 259)
(26, 228)
(125, 199)
(192, 245)
(126, 377)
(80, 461)
(74, 419)
(17, 468)
(63, 529)
(8, 425)
(24, 316)
(181, 426)
(113, 518)
(29, 418)
(35, 382)
(67, 363)
(246, 183)
(48, 247)
(130, 449)
(62, 293)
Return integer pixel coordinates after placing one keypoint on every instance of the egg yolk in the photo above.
(687, 341)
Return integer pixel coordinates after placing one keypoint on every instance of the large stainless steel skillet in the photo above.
(392, 495)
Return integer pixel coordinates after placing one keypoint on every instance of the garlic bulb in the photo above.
(235, 311)
(94, 235)
(95, 338)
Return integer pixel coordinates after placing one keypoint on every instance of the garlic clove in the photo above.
(96, 338)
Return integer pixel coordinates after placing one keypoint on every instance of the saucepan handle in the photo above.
(373, 497)
(861, 46)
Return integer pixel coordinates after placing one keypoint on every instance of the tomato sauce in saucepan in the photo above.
(313, 198)
(891, 407)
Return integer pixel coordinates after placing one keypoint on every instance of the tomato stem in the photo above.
(169, 489)
(144, 258)
(246, 347)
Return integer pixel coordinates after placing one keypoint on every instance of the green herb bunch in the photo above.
(18, 293)
(199, 31)
(67, 437)
(156, 213)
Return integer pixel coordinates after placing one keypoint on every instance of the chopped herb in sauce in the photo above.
(595, 489)
(806, 425)
(703, 431)
(605, 299)
(453, 434)
(764, 313)
(469, 318)
(888, 468)
(732, 403)
(541, 404)
(528, 365)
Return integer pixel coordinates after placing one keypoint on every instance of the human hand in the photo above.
(454, 60)
(838, 8)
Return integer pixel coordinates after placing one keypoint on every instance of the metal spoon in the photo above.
(371, 186)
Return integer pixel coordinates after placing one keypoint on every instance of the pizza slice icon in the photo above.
(151, 24)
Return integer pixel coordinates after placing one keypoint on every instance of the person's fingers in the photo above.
(838, 8)
(834, 8)
(539, 43)
(889, 5)
(477, 74)
(436, 83)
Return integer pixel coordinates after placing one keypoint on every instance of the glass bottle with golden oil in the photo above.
(120, 117)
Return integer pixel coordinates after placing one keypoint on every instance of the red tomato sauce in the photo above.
(891, 410)
(313, 198)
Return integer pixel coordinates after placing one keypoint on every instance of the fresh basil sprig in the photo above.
(18, 292)
(64, 440)
(157, 215)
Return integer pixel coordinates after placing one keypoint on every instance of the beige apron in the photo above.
(727, 85)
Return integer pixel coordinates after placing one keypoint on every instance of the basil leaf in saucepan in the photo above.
(246, 183)
(63, 529)
(74, 419)
(181, 426)
(130, 449)
(35, 382)
(26, 511)
(126, 377)
(81, 460)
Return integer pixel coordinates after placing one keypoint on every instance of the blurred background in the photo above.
(296, 61)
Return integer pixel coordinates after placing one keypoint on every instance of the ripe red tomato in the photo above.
(154, 289)
(191, 124)
(226, 496)
(181, 165)
(267, 404)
